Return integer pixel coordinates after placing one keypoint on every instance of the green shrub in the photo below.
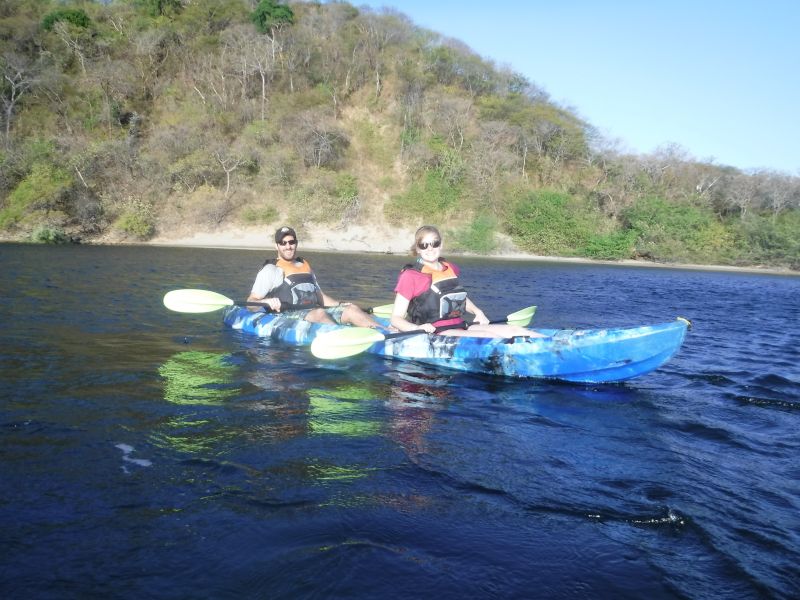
(71, 15)
(260, 133)
(452, 166)
(40, 190)
(192, 171)
(329, 197)
(346, 187)
(763, 239)
(477, 236)
(548, 222)
(432, 197)
(45, 234)
(668, 231)
(137, 220)
(373, 144)
(610, 246)
(158, 8)
(409, 136)
(259, 215)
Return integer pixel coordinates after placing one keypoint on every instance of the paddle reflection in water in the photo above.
(342, 416)
(202, 380)
(194, 377)
(323, 423)
(342, 411)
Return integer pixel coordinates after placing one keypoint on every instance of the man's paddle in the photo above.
(384, 310)
(199, 301)
(349, 341)
(202, 301)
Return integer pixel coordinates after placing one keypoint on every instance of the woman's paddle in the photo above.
(349, 341)
(202, 301)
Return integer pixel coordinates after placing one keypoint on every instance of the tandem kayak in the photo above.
(575, 355)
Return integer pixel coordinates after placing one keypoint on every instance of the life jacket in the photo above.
(299, 288)
(444, 299)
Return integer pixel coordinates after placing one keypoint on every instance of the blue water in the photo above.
(150, 454)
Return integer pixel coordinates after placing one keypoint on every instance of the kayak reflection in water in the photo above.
(429, 296)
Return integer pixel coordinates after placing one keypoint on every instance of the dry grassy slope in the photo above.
(193, 216)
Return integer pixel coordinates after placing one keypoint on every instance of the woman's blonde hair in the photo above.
(421, 233)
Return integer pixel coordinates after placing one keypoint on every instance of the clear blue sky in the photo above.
(719, 78)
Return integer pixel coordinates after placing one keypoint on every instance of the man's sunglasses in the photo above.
(424, 245)
(287, 243)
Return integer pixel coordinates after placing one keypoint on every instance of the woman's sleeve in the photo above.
(405, 285)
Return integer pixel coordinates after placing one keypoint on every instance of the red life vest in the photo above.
(445, 299)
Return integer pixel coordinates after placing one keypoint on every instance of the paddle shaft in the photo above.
(349, 341)
(284, 307)
(399, 334)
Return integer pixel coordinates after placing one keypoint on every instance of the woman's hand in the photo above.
(428, 327)
(273, 303)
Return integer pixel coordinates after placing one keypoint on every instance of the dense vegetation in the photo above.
(124, 119)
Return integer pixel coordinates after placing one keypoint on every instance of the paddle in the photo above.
(384, 310)
(202, 301)
(348, 341)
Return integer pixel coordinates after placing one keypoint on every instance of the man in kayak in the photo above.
(431, 298)
(287, 284)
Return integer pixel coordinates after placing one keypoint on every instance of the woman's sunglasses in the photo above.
(288, 243)
(424, 245)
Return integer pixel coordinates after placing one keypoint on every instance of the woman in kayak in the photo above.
(430, 297)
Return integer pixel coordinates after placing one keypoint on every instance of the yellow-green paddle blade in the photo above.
(522, 317)
(384, 310)
(195, 301)
(344, 342)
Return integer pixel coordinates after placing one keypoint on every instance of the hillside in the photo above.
(139, 120)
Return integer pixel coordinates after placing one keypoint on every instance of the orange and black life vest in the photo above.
(299, 288)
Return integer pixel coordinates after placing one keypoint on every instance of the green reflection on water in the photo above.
(327, 473)
(195, 377)
(198, 437)
(341, 412)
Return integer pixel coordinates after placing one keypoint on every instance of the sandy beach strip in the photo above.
(360, 238)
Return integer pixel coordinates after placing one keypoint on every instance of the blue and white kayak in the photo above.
(576, 355)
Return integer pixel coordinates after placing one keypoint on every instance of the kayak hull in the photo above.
(574, 355)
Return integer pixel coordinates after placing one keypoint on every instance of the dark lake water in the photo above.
(150, 454)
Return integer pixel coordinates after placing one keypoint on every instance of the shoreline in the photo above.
(395, 243)
(359, 239)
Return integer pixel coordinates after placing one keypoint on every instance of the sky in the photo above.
(719, 78)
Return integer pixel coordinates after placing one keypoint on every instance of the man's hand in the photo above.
(480, 318)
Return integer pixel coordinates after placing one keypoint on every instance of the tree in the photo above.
(378, 33)
(151, 49)
(165, 8)
(741, 191)
(318, 142)
(781, 192)
(18, 79)
(74, 38)
(269, 15)
(75, 16)
(229, 163)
